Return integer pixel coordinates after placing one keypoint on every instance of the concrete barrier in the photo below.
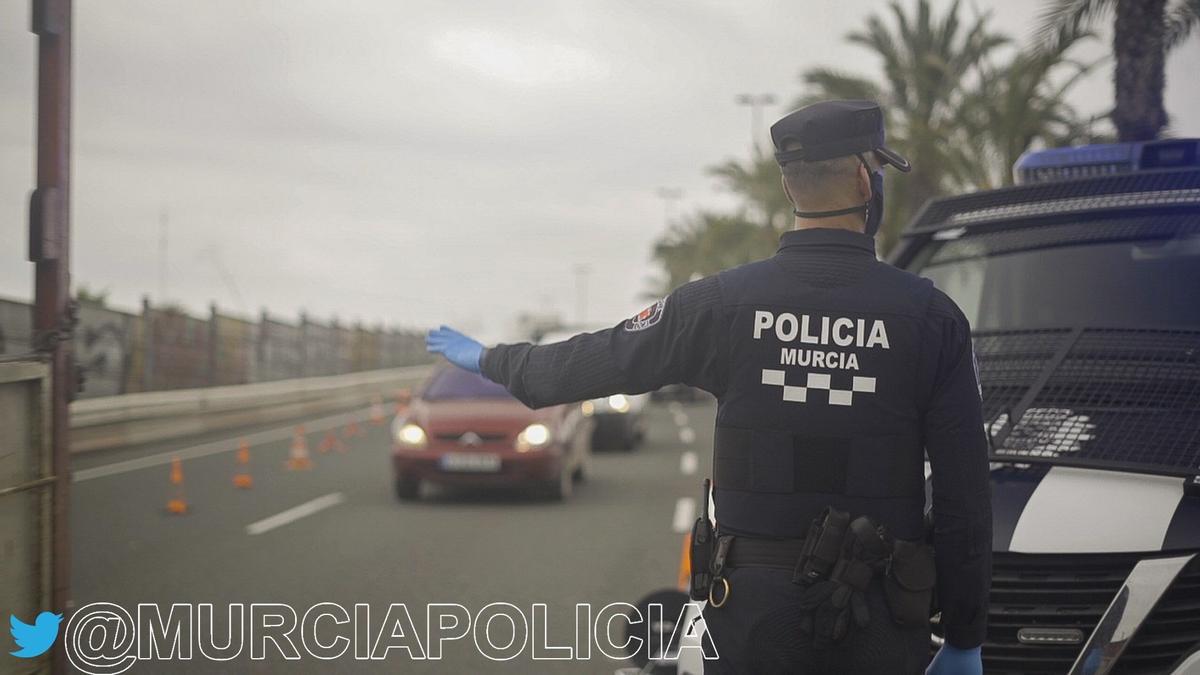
(131, 419)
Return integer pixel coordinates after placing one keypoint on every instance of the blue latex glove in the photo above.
(459, 349)
(951, 660)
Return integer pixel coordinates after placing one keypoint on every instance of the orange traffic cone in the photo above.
(377, 411)
(331, 442)
(298, 459)
(351, 430)
(177, 504)
(685, 564)
(243, 479)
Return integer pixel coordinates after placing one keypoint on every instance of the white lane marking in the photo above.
(685, 514)
(295, 513)
(681, 419)
(688, 463)
(687, 436)
(217, 447)
(1074, 510)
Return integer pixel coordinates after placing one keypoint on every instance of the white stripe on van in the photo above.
(1076, 510)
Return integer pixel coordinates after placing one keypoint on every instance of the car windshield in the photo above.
(1121, 284)
(454, 383)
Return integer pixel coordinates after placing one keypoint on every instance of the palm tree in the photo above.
(758, 184)
(1143, 31)
(706, 243)
(926, 63)
(1017, 105)
(961, 119)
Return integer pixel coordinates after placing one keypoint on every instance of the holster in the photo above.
(909, 582)
(822, 546)
(836, 571)
(700, 557)
(700, 553)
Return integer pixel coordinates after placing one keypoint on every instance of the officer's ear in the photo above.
(864, 182)
(787, 193)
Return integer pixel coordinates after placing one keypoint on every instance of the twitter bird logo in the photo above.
(36, 639)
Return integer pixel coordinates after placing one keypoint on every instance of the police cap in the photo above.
(831, 129)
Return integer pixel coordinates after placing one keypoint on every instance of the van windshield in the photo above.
(1086, 337)
(1116, 284)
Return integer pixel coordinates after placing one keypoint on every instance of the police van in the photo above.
(1082, 285)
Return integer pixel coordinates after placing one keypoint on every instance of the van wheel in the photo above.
(407, 489)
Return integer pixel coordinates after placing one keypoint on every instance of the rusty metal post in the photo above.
(49, 249)
(214, 345)
(149, 353)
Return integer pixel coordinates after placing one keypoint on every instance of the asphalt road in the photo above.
(615, 540)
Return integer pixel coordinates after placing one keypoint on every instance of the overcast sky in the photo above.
(416, 162)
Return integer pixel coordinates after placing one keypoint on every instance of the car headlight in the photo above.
(588, 408)
(411, 436)
(619, 403)
(533, 437)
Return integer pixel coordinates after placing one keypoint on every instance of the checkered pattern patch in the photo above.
(820, 381)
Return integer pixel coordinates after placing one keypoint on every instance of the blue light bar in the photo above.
(1088, 161)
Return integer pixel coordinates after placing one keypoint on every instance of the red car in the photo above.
(462, 429)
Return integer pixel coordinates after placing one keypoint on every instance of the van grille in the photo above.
(1047, 591)
(1073, 591)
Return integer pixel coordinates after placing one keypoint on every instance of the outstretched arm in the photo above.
(678, 339)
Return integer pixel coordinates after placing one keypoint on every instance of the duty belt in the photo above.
(835, 563)
(774, 553)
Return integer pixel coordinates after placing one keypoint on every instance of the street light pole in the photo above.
(756, 103)
(163, 225)
(49, 250)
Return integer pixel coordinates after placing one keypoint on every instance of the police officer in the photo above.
(836, 376)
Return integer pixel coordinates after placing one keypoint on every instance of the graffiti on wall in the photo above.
(166, 348)
(102, 347)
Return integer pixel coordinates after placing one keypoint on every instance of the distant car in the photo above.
(462, 429)
(619, 422)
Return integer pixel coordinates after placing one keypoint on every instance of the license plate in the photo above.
(470, 462)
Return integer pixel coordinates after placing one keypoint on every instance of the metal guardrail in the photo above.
(130, 419)
(144, 405)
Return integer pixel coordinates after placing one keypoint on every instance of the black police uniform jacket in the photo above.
(836, 375)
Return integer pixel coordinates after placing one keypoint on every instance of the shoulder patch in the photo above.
(647, 317)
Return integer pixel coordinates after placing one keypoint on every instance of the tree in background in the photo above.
(1018, 105)
(1143, 31)
(955, 108)
(928, 63)
(85, 293)
(758, 184)
(707, 243)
